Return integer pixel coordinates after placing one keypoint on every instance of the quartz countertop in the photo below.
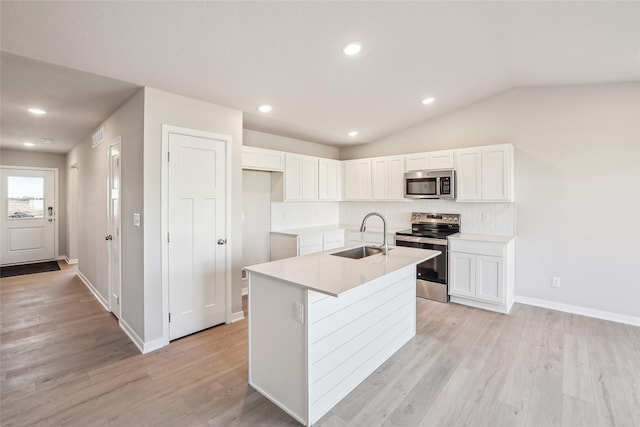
(481, 237)
(334, 275)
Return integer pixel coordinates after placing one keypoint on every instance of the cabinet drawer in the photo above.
(313, 240)
(334, 237)
(309, 249)
(477, 247)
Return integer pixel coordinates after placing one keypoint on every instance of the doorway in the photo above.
(28, 212)
(197, 221)
(113, 221)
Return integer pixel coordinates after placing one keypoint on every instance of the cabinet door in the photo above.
(357, 179)
(329, 179)
(309, 178)
(440, 159)
(380, 178)
(416, 161)
(462, 274)
(468, 174)
(396, 178)
(292, 178)
(249, 157)
(496, 173)
(271, 160)
(489, 278)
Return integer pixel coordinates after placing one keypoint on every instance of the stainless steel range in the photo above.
(430, 231)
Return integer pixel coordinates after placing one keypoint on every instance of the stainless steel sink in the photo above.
(359, 252)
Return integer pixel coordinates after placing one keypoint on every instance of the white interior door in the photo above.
(114, 228)
(197, 233)
(27, 215)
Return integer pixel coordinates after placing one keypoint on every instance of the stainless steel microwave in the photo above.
(430, 184)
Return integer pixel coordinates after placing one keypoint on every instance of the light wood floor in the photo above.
(66, 362)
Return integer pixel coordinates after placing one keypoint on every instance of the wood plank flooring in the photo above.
(65, 361)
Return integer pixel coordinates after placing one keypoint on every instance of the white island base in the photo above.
(309, 349)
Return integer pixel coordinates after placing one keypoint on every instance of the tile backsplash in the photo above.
(481, 218)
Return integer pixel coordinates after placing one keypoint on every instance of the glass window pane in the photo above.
(25, 197)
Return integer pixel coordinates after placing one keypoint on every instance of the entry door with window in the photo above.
(197, 233)
(27, 215)
(113, 237)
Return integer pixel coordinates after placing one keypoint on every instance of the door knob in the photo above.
(109, 237)
(222, 241)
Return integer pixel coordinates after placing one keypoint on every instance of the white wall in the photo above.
(45, 160)
(91, 201)
(174, 110)
(275, 142)
(577, 185)
(256, 218)
(288, 215)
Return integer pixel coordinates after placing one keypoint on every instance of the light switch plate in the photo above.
(136, 220)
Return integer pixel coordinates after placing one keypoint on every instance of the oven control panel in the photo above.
(434, 218)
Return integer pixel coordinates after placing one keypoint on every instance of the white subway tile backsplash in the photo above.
(499, 218)
(287, 215)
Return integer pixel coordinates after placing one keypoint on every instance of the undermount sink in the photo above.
(359, 252)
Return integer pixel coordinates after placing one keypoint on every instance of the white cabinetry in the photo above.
(388, 178)
(262, 159)
(329, 179)
(485, 173)
(443, 159)
(481, 273)
(300, 177)
(287, 245)
(357, 179)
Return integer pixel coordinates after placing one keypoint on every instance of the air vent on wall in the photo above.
(97, 137)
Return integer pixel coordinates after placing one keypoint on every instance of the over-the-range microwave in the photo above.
(430, 184)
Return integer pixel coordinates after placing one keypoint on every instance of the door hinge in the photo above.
(169, 317)
(168, 156)
(168, 238)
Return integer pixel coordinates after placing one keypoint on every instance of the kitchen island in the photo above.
(320, 324)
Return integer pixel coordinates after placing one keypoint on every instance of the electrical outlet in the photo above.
(555, 282)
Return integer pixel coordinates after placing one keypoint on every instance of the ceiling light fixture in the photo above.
(37, 111)
(353, 133)
(352, 48)
(28, 144)
(428, 101)
(265, 108)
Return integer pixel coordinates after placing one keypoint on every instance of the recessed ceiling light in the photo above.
(37, 111)
(47, 141)
(353, 133)
(28, 144)
(265, 108)
(352, 48)
(428, 100)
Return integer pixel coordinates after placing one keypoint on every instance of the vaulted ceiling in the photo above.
(289, 55)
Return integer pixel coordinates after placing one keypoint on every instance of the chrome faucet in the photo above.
(363, 228)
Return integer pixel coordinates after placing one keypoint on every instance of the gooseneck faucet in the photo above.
(363, 228)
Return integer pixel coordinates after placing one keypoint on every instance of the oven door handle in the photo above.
(412, 239)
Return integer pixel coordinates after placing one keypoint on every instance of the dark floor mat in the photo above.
(19, 270)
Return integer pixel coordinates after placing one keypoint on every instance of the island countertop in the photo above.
(334, 275)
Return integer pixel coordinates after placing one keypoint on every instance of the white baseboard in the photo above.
(143, 347)
(93, 290)
(583, 311)
(70, 261)
(245, 291)
(61, 258)
(236, 317)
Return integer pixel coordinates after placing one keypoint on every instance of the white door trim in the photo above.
(164, 225)
(56, 217)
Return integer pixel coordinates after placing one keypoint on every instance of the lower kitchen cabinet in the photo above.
(290, 244)
(481, 271)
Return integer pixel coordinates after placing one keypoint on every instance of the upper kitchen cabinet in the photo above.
(443, 159)
(388, 178)
(301, 177)
(329, 179)
(262, 159)
(357, 179)
(485, 174)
